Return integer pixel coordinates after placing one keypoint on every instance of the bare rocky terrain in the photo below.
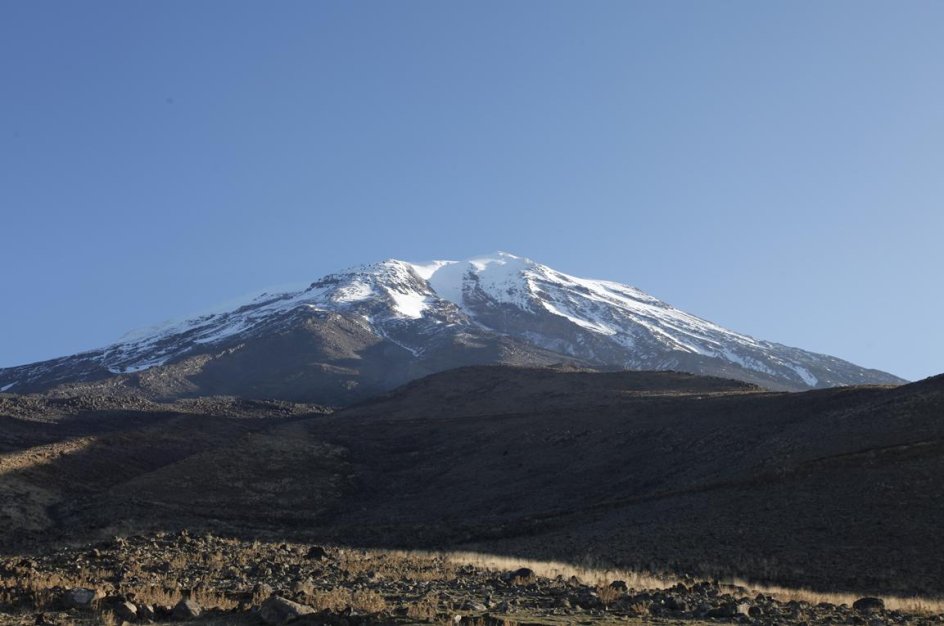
(206, 579)
(689, 479)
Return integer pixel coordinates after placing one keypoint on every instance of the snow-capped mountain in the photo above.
(370, 328)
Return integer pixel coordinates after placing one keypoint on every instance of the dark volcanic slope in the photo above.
(836, 488)
(831, 487)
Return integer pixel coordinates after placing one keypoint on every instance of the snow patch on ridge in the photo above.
(805, 374)
(411, 304)
(426, 270)
(355, 292)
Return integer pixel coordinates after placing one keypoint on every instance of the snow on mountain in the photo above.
(415, 305)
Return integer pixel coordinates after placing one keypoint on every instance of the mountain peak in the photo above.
(397, 318)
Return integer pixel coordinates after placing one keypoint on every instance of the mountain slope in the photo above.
(371, 328)
(640, 470)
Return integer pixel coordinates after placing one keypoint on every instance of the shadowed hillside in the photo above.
(835, 488)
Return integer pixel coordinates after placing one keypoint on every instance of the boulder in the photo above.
(80, 598)
(127, 611)
(523, 573)
(317, 553)
(147, 613)
(869, 605)
(278, 610)
(186, 609)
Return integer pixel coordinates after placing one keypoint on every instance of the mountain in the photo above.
(369, 329)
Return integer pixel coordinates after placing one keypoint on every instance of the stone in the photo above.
(869, 605)
(186, 609)
(262, 590)
(729, 609)
(146, 612)
(317, 553)
(523, 573)
(126, 611)
(278, 610)
(80, 598)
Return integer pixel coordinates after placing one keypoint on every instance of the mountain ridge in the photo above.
(372, 327)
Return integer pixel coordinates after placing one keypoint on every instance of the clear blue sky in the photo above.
(776, 167)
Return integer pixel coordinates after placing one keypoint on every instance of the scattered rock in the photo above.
(317, 552)
(262, 590)
(81, 598)
(278, 610)
(146, 612)
(127, 611)
(729, 609)
(186, 609)
(521, 574)
(869, 605)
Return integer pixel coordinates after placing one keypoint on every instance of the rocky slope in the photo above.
(356, 333)
(206, 579)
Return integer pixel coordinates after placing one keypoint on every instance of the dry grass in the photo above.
(919, 605)
(337, 599)
(109, 619)
(607, 594)
(155, 595)
(398, 564)
(330, 600)
(602, 576)
(587, 574)
(425, 609)
(42, 588)
(639, 608)
(368, 601)
(211, 599)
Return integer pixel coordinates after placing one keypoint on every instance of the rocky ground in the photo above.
(164, 577)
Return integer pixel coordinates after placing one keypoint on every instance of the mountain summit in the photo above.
(373, 327)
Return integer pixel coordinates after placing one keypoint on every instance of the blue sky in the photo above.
(775, 167)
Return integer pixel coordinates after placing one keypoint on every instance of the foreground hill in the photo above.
(835, 488)
(354, 334)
